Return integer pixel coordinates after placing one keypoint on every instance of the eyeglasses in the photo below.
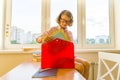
(64, 21)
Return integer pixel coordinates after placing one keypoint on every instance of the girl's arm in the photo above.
(46, 36)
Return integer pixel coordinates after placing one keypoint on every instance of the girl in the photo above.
(64, 20)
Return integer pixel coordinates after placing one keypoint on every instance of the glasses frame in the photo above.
(65, 21)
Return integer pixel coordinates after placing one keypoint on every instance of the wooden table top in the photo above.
(26, 70)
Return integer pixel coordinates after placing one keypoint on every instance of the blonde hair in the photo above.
(67, 13)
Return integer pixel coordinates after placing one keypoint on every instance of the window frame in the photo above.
(45, 18)
(111, 27)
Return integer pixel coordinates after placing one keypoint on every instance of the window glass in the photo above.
(26, 21)
(97, 22)
(57, 6)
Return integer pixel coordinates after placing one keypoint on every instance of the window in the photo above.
(98, 23)
(92, 28)
(25, 21)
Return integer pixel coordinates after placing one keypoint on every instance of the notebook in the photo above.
(60, 34)
(42, 73)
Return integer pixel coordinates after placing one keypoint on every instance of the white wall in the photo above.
(1, 23)
(117, 23)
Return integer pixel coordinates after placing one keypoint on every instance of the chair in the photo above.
(108, 66)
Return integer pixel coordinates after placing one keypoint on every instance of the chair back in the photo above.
(108, 66)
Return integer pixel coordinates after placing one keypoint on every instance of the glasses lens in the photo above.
(66, 21)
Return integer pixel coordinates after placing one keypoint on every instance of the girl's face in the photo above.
(64, 21)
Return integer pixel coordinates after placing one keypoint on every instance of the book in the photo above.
(60, 34)
(36, 56)
(48, 72)
(36, 53)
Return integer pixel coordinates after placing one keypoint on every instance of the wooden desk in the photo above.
(26, 70)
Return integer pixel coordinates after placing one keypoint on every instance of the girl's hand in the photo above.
(48, 38)
(44, 39)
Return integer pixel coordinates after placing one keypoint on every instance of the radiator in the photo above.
(93, 71)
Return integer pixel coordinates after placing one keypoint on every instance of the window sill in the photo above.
(95, 50)
(21, 51)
